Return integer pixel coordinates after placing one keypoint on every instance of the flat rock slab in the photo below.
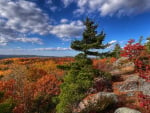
(126, 110)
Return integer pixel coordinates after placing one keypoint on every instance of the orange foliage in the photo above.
(7, 87)
(48, 84)
(28, 77)
(103, 64)
(6, 72)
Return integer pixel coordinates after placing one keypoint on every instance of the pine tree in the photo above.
(148, 45)
(116, 51)
(140, 39)
(91, 40)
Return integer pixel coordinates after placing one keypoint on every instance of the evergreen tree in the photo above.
(148, 44)
(91, 40)
(76, 83)
(80, 74)
(140, 39)
(116, 51)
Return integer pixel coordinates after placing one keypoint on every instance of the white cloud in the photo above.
(112, 42)
(53, 8)
(65, 31)
(49, 1)
(110, 7)
(23, 16)
(67, 2)
(18, 18)
(63, 20)
(5, 39)
(30, 40)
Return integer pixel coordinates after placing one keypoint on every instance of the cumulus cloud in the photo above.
(30, 40)
(23, 16)
(5, 39)
(67, 2)
(9, 35)
(65, 31)
(20, 17)
(63, 20)
(110, 7)
(53, 8)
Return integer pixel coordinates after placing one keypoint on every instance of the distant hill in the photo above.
(18, 56)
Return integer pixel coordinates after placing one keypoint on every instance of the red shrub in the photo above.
(136, 52)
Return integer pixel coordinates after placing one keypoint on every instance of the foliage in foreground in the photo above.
(76, 83)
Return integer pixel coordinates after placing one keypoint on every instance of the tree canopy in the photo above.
(91, 40)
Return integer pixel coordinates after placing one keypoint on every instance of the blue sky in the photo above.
(46, 27)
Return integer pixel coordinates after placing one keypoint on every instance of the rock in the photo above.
(135, 83)
(101, 84)
(123, 66)
(126, 110)
(94, 98)
(120, 61)
(144, 87)
(130, 84)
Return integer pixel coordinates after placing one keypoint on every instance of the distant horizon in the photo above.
(31, 55)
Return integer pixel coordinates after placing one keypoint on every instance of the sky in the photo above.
(47, 27)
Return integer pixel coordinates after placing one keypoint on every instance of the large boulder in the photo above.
(130, 84)
(121, 61)
(144, 86)
(96, 98)
(126, 110)
(123, 66)
(135, 83)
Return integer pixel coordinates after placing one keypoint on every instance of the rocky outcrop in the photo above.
(122, 66)
(126, 110)
(101, 85)
(134, 83)
(94, 98)
(130, 84)
(144, 87)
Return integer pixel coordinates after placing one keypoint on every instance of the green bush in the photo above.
(43, 104)
(7, 106)
(77, 81)
(148, 45)
(1, 95)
